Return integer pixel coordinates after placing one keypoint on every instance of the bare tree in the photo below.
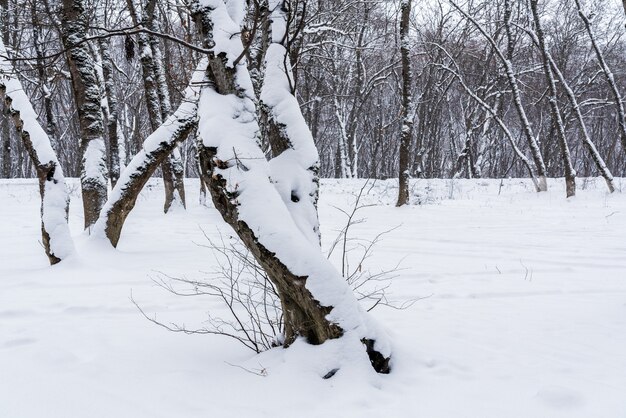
(317, 301)
(608, 74)
(86, 89)
(407, 103)
(570, 174)
(515, 90)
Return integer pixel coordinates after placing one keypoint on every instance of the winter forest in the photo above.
(364, 208)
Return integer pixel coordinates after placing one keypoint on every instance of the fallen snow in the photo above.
(523, 311)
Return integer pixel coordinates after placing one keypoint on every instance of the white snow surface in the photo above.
(523, 311)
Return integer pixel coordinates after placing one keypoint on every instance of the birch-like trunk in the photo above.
(55, 234)
(111, 114)
(407, 117)
(587, 141)
(608, 74)
(317, 302)
(112, 119)
(515, 90)
(86, 89)
(493, 112)
(557, 120)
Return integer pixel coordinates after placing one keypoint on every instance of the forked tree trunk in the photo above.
(317, 302)
(55, 234)
(86, 90)
(407, 122)
(570, 173)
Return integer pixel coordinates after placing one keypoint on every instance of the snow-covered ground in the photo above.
(521, 311)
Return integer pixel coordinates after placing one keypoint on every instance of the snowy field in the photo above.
(520, 311)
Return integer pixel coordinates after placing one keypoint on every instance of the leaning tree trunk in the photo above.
(494, 114)
(570, 173)
(156, 149)
(86, 88)
(407, 121)
(515, 90)
(317, 302)
(589, 145)
(55, 234)
(617, 97)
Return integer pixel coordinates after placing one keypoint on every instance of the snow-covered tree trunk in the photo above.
(55, 234)
(343, 160)
(295, 163)
(171, 167)
(317, 302)
(86, 89)
(407, 117)
(112, 117)
(557, 120)
(174, 186)
(608, 74)
(156, 149)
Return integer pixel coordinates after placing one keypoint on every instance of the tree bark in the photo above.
(86, 90)
(5, 132)
(407, 118)
(112, 118)
(175, 185)
(570, 173)
(236, 172)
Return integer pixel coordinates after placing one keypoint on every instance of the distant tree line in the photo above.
(348, 77)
